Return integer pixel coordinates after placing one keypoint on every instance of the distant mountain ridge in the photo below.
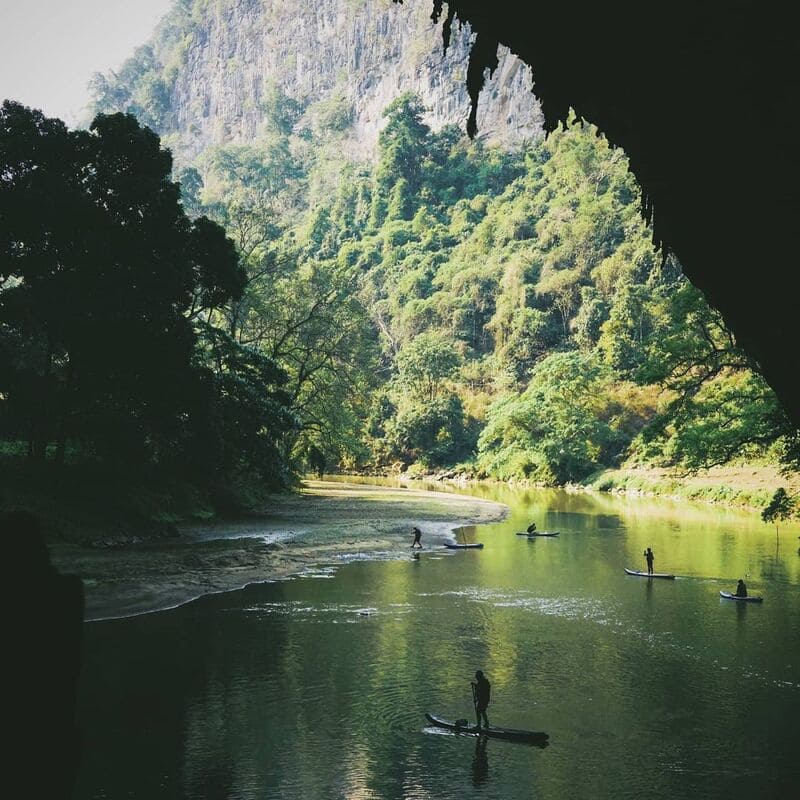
(202, 79)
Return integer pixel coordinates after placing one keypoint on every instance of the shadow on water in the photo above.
(741, 614)
(608, 521)
(480, 761)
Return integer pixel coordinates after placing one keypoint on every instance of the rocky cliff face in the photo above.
(360, 54)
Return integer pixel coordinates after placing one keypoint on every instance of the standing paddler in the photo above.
(481, 690)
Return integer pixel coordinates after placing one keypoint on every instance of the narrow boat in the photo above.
(640, 574)
(729, 596)
(457, 546)
(533, 737)
(538, 533)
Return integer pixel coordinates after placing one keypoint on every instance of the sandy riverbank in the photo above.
(325, 523)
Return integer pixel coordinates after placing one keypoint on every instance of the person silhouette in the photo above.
(42, 652)
(417, 536)
(648, 554)
(741, 589)
(531, 528)
(481, 691)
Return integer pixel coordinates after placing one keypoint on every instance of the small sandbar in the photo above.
(326, 523)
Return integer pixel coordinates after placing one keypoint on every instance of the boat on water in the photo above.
(748, 599)
(457, 546)
(538, 533)
(640, 574)
(532, 737)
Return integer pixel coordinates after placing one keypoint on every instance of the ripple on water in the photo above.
(583, 608)
(318, 572)
(370, 555)
(336, 613)
(602, 612)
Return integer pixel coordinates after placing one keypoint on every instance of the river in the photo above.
(316, 686)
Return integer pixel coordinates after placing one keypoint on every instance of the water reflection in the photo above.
(480, 761)
(317, 688)
(741, 615)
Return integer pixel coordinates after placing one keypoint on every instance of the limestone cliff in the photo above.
(203, 78)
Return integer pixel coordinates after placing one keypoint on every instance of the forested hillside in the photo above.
(501, 309)
(286, 297)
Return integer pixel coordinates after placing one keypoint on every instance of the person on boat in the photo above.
(531, 528)
(481, 690)
(741, 589)
(417, 536)
(648, 554)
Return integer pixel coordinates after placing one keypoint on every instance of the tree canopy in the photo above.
(104, 282)
(452, 303)
(503, 308)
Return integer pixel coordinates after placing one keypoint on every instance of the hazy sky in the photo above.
(50, 48)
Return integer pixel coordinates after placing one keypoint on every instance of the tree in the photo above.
(558, 430)
(108, 94)
(306, 319)
(281, 113)
(593, 312)
(99, 269)
(433, 433)
(425, 363)
(246, 417)
(532, 335)
(718, 407)
(191, 183)
(780, 508)
(403, 147)
(625, 334)
(564, 290)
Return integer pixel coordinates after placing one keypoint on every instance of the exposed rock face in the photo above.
(362, 53)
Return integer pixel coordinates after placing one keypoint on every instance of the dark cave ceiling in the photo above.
(702, 96)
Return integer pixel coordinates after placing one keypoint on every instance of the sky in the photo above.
(50, 48)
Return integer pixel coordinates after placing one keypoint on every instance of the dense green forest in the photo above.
(272, 309)
(460, 305)
(107, 359)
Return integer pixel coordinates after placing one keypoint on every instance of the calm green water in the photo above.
(316, 687)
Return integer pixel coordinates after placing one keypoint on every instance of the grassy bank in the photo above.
(749, 486)
(740, 486)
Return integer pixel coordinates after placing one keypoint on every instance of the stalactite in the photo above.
(483, 56)
(692, 92)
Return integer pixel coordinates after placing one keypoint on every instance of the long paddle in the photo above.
(475, 700)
